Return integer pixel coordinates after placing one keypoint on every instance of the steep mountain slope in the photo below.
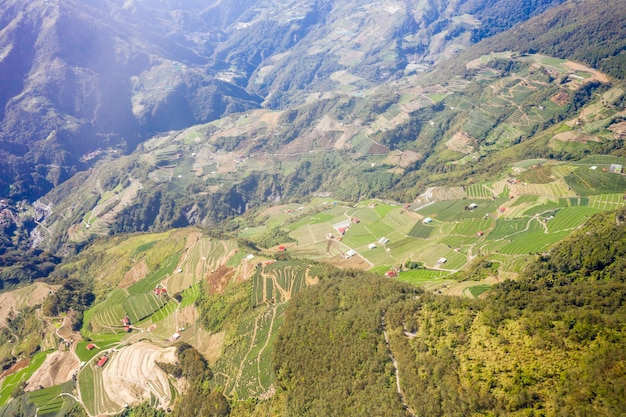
(82, 77)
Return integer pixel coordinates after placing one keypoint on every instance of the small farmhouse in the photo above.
(102, 361)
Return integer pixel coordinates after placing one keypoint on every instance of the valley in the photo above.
(319, 209)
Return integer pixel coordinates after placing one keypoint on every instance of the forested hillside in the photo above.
(549, 343)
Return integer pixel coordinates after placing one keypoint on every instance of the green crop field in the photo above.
(245, 368)
(421, 231)
(532, 242)
(479, 191)
(13, 380)
(109, 312)
(150, 282)
(601, 160)
(48, 400)
(585, 181)
(280, 281)
(140, 306)
(92, 393)
(167, 309)
(569, 218)
(470, 227)
(607, 201)
(477, 290)
(102, 342)
(506, 227)
(420, 276)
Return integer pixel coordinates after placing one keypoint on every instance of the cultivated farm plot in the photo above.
(420, 276)
(140, 306)
(507, 227)
(607, 201)
(156, 277)
(532, 242)
(48, 400)
(245, 368)
(570, 218)
(204, 256)
(587, 182)
(554, 189)
(481, 191)
(279, 282)
(421, 231)
(92, 393)
(470, 227)
(110, 312)
(13, 380)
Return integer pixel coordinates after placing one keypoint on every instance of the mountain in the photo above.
(88, 77)
(323, 208)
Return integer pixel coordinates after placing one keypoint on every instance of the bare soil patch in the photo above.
(461, 142)
(575, 136)
(56, 369)
(136, 273)
(619, 130)
(12, 301)
(403, 159)
(560, 99)
(595, 75)
(132, 375)
(17, 366)
(210, 345)
(218, 279)
(353, 262)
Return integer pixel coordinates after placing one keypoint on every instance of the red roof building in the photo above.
(91, 346)
(391, 274)
(282, 248)
(102, 361)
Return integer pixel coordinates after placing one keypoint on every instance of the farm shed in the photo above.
(427, 220)
(472, 206)
(442, 261)
(102, 361)
(383, 240)
(616, 168)
(91, 346)
(372, 246)
(391, 274)
(350, 253)
(342, 225)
